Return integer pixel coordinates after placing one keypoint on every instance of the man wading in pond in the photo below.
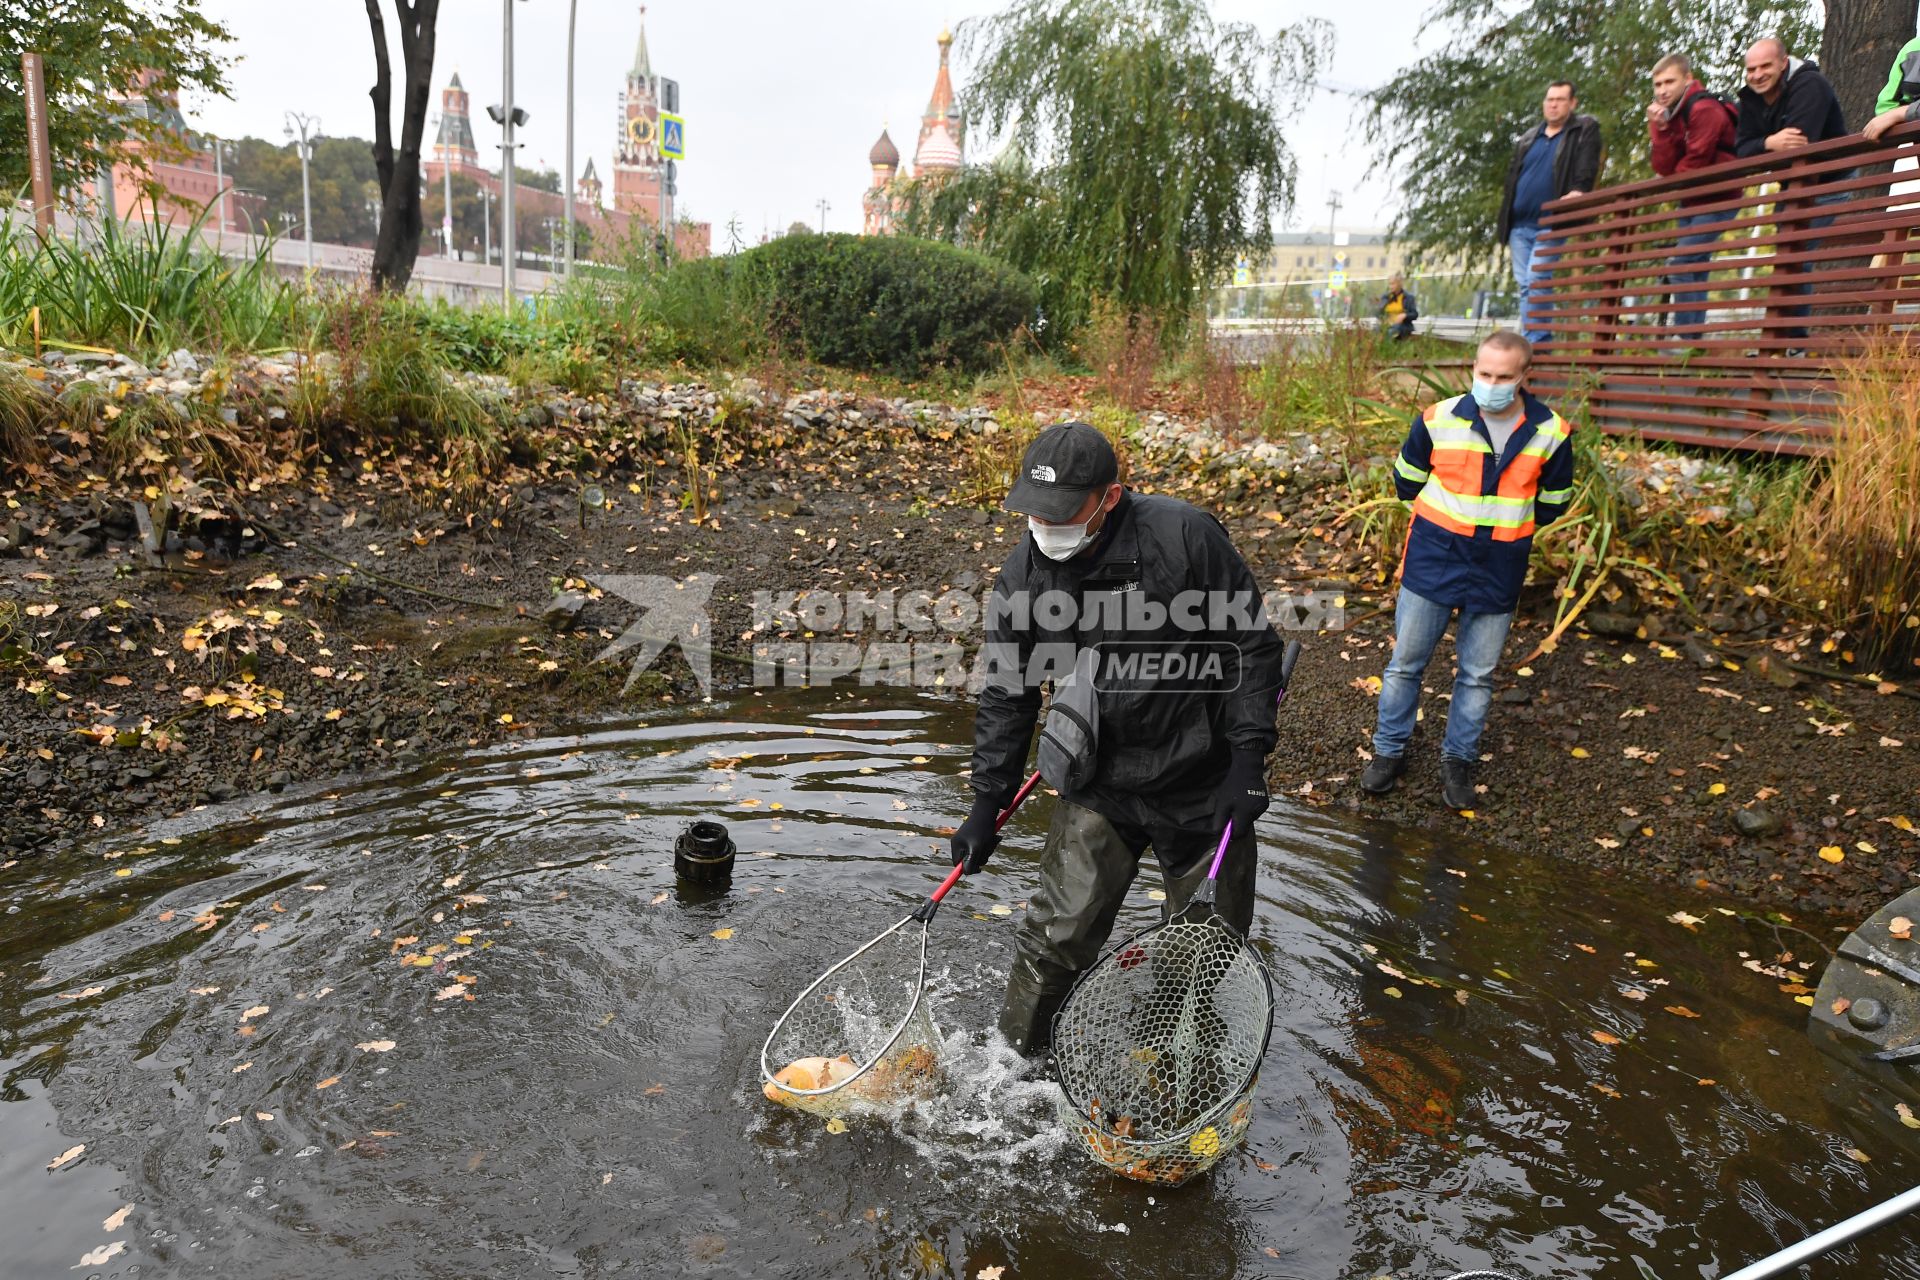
(1480, 471)
(1165, 672)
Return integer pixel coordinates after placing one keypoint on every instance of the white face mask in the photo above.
(1060, 541)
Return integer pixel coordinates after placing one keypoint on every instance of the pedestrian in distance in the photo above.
(1397, 310)
(1480, 472)
(1560, 156)
(1688, 129)
(1103, 580)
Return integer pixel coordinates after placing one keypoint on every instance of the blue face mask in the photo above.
(1494, 399)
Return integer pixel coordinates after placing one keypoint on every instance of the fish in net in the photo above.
(861, 1036)
(1158, 1050)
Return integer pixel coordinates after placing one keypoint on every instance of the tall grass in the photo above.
(144, 288)
(1858, 535)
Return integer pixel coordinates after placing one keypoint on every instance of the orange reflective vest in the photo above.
(1474, 514)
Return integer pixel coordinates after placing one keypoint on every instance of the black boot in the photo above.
(1456, 783)
(1382, 772)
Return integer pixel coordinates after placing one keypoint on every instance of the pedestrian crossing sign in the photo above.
(673, 136)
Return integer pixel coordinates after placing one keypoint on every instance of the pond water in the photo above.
(572, 1085)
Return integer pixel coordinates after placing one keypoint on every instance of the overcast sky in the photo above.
(782, 100)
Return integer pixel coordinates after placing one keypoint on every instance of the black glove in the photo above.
(974, 840)
(1242, 796)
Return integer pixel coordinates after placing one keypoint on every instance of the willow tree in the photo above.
(1443, 127)
(1141, 149)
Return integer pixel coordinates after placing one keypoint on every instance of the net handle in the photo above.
(1204, 896)
(924, 913)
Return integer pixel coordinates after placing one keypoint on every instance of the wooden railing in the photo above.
(1818, 250)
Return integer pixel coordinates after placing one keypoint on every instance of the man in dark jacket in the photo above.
(1558, 157)
(1104, 580)
(1687, 129)
(1788, 104)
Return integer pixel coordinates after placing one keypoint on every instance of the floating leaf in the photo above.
(328, 1083)
(1606, 1037)
(723, 934)
(1685, 920)
(1681, 1011)
(1156, 895)
(1609, 1090)
(263, 1115)
(258, 1011)
(374, 1046)
(96, 1257)
(117, 1218)
(1900, 1109)
(81, 994)
(68, 1156)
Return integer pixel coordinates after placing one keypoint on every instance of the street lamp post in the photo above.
(220, 188)
(823, 207)
(573, 8)
(508, 117)
(308, 131)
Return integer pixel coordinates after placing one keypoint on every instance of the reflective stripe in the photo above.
(1411, 472)
(1475, 509)
(1457, 435)
(1555, 497)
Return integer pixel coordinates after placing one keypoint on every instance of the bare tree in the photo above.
(399, 172)
(1857, 48)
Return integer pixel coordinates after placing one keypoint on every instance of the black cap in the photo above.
(1060, 468)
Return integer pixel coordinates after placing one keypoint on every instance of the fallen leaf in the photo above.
(659, 898)
(81, 994)
(1609, 1090)
(1681, 1011)
(1900, 1109)
(1156, 895)
(258, 1011)
(655, 1090)
(1605, 1037)
(242, 1067)
(605, 1178)
(68, 1156)
(95, 1257)
(1855, 1153)
(263, 1115)
(989, 1273)
(1580, 753)
(1686, 921)
(328, 1083)
(374, 1046)
(1584, 947)
(723, 934)
(836, 1125)
(1002, 909)
(450, 991)
(1395, 992)
(1899, 925)
(1833, 853)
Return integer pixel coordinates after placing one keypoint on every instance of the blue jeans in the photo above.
(1696, 316)
(1529, 273)
(1820, 223)
(1418, 624)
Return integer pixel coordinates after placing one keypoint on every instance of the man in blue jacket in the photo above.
(1481, 472)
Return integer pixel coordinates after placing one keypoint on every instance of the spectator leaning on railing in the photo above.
(1689, 128)
(1900, 100)
(1789, 104)
(1558, 157)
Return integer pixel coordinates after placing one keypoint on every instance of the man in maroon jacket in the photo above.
(1689, 129)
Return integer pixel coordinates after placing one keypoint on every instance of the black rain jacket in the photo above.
(1162, 750)
(1576, 165)
(1807, 103)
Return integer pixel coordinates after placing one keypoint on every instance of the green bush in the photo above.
(882, 303)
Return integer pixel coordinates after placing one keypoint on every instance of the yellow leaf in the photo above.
(1394, 992)
(1157, 895)
(1906, 1115)
(1580, 753)
(123, 871)
(1833, 853)
(836, 1125)
(1866, 846)
(1467, 814)
(1901, 821)
(1717, 789)
(723, 934)
(1606, 1037)
(1806, 1000)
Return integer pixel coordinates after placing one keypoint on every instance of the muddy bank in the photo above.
(344, 619)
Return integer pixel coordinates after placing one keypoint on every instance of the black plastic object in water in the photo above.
(704, 853)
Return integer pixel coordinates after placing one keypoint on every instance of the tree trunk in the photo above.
(1857, 49)
(399, 171)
